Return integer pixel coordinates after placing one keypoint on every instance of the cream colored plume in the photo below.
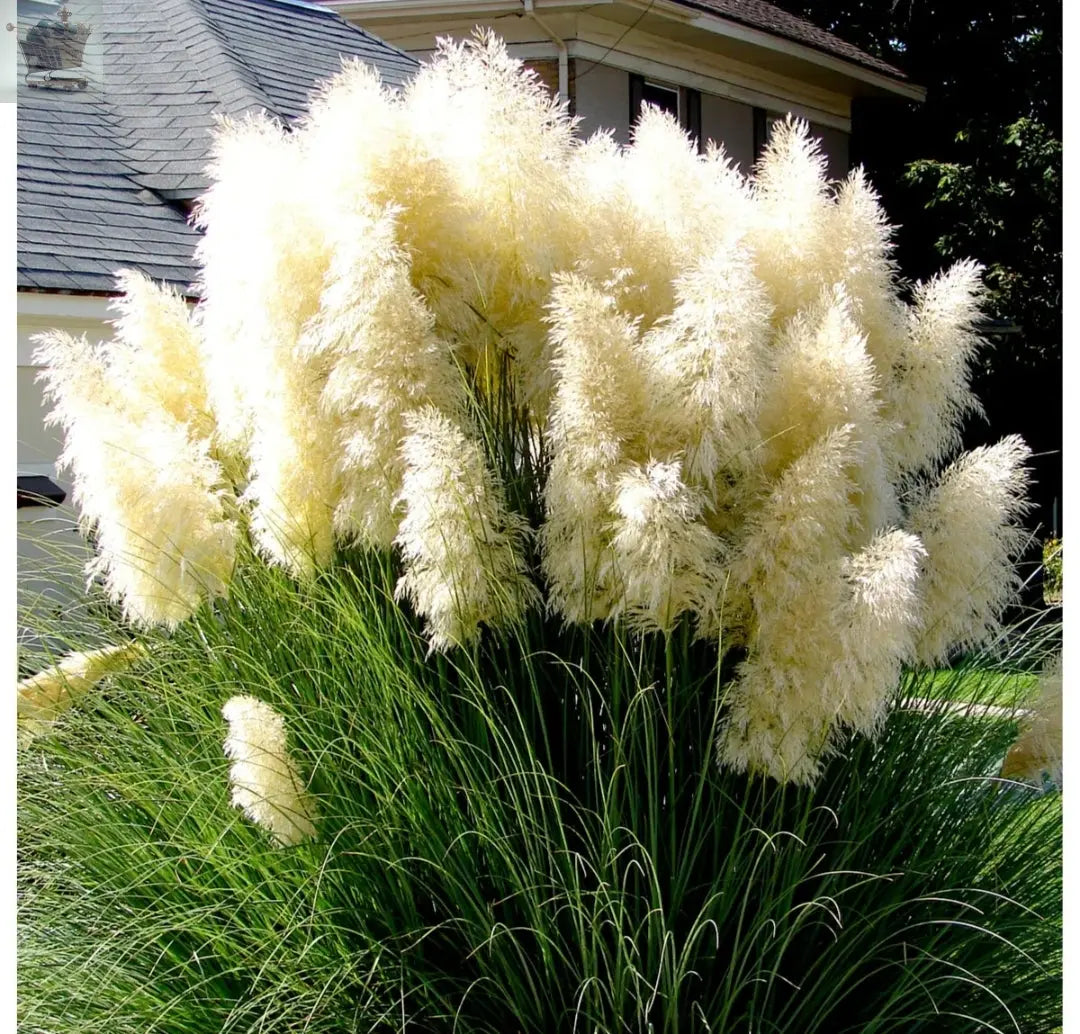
(860, 259)
(709, 362)
(1038, 750)
(883, 615)
(43, 697)
(462, 549)
(927, 404)
(598, 425)
(650, 212)
(500, 144)
(666, 560)
(265, 257)
(375, 337)
(823, 379)
(259, 264)
(790, 568)
(265, 780)
(144, 480)
(830, 631)
(159, 366)
(791, 227)
(968, 522)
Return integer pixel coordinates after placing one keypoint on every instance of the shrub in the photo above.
(545, 517)
(1053, 562)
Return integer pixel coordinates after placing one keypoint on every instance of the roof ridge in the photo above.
(218, 45)
(320, 7)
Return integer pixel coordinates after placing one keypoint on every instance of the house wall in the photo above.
(731, 124)
(732, 81)
(50, 551)
(37, 445)
(602, 99)
(836, 146)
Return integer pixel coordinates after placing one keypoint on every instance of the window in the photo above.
(680, 101)
(762, 128)
(834, 143)
(764, 124)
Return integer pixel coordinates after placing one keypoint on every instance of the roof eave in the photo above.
(878, 81)
(374, 11)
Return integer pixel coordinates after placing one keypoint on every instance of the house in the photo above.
(112, 148)
(725, 68)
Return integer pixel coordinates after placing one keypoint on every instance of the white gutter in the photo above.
(560, 46)
(42, 306)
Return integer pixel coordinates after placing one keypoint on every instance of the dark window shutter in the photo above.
(761, 131)
(691, 114)
(637, 93)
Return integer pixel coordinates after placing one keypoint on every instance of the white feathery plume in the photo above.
(926, 405)
(376, 338)
(708, 358)
(794, 695)
(790, 231)
(462, 549)
(43, 697)
(824, 379)
(1039, 749)
(266, 783)
(668, 562)
(156, 358)
(502, 143)
(582, 581)
(155, 498)
(602, 386)
(878, 636)
(968, 522)
(598, 424)
(293, 490)
(791, 569)
(860, 259)
(261, 263)
(649, 212)
(265, 256)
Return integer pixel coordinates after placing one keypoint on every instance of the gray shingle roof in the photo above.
(100, 170)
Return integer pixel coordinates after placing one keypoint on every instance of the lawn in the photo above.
(976, 686)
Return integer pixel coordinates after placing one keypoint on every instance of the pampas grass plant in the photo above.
(543, 540)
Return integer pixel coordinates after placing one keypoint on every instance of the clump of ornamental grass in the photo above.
(502, 842)
(540, 532)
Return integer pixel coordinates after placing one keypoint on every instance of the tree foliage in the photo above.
(975, 172)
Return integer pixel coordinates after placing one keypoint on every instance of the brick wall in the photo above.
(548, 71)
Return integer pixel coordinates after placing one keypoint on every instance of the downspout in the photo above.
(560, 46)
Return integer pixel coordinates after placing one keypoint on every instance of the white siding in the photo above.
(731, 124)
(50, 551)
(38, 446)
(602, 99)
(834, 143)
